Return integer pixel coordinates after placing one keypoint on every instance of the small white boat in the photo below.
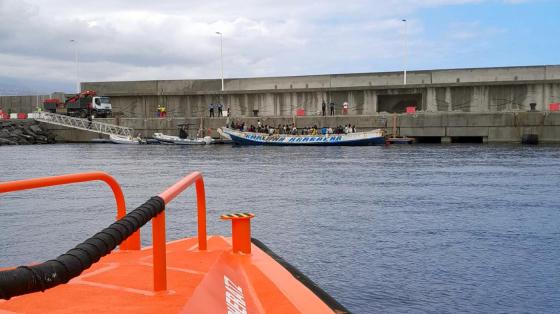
(223, 134)
(188, 141)
(165, 138)
(170, 139)
(117, 139)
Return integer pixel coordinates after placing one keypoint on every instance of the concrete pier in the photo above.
(432, 127)
(453, 105)
(455, 90)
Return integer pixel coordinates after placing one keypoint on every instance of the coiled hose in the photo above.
(28, 279)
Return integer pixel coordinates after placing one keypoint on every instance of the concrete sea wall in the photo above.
(495, 104)
(464, 90)
(447, 127)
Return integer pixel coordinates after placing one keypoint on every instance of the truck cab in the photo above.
(101, 106)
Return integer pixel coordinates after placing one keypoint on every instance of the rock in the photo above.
(23, 133)
(41, 139)
(36, 129)
(28, 131)
(5, 141)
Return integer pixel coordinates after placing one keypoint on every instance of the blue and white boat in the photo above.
(374, 137)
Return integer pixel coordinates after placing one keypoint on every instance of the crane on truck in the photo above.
(82, 105)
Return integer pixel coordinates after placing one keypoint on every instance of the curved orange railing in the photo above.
(181, 185)
(158, 225)
(132, 243)
(158, 222)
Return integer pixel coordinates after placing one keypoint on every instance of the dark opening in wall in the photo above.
(398, 103)
(428, 140)
(467, 139)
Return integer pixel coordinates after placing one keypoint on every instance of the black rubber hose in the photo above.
(28, 279)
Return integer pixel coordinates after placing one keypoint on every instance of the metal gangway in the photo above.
(83, 124)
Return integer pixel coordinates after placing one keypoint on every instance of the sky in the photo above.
(176, 39)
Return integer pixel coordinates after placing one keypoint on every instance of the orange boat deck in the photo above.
(211, 281)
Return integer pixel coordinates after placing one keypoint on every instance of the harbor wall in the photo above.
(25, 104)
(489, 127)
(463, 90)
(455, 90)
(492, 103)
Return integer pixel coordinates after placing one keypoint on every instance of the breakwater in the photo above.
(444, 127)
(25, 132)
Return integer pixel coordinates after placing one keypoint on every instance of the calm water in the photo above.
(424, 228)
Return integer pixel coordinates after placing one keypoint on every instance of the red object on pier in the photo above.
(300, 112)
(410, 109)
(554, 106)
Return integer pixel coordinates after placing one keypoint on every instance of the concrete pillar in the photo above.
(370, 102)
(268, 104)
(484, 98)
(431, 102)
(448, 99)
(475, 100)
(541, 105)
(548, 95)
(293, 103)
(352, 103)
(375, 102)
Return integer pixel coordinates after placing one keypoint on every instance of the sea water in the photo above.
(417, 228)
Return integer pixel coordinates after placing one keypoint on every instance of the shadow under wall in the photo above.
(398, 103)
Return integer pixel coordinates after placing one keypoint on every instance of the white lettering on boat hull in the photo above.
(235, 301)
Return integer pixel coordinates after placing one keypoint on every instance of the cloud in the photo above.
(143, 40)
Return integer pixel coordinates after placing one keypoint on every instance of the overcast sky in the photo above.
(147, 39)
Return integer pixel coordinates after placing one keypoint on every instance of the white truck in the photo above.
(84, 104)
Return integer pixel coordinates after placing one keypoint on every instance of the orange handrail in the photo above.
(158, 225)
(132, 243)
(181, 185)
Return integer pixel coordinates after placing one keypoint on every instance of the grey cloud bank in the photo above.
(143, 40)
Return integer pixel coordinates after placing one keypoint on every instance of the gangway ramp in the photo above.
(83, 124)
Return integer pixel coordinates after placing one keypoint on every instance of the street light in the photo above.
(77, 65)
(405, 49)
(222, 57)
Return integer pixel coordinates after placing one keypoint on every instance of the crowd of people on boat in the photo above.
(291, 129)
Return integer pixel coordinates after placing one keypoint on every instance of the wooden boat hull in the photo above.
(375, 137)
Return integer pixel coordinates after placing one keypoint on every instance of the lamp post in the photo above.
(405, 49)
(221, 57)
(77, 65)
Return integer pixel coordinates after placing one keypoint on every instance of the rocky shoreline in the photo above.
(24, 132)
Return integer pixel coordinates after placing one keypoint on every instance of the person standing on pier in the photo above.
(332, 108)
(220, 112)
(345, 108)
(211, 108)
(324, 107)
